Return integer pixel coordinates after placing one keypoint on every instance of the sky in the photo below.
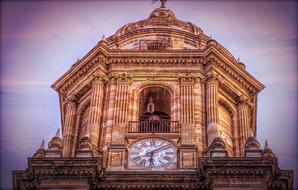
(40, 40)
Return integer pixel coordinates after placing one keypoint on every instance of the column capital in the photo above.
(71, 101)
(122, 78)
(189, 78)
(212, 78)
(98, 80)
(243, 102)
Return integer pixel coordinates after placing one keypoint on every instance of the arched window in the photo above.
(226, 128)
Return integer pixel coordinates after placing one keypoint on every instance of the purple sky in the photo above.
(41, 40)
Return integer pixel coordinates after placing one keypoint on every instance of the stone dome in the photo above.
(160, 31)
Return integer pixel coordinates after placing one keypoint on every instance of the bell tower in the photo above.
(157, 105)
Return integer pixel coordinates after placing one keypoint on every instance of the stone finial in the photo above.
(252, 146)
(85, 146)
(266, 144)
(56, 142)
(210, 36)
(163, 3)
(42, 146)
(58, 133)
(267, 152)
(103, 41)
(242, 65)
(251, 134)
(217, 148)
(40, 153)
(55, 146)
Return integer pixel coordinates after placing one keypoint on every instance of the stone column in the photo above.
(212, 107)
(243, 122)
(69, 121)
(96, 111)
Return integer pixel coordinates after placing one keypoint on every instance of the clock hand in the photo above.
(157, 150)
(151, 164)
(162, 148)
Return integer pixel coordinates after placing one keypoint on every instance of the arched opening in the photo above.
(154, 110)
(226, 128)
(161, 99)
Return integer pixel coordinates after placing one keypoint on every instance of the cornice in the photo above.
(167, 57)
(245, 79)
(152, 57)
(82, 88)
(68, 81)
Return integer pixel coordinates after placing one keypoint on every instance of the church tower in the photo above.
(157, 105)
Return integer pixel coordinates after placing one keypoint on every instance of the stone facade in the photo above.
(158, 105)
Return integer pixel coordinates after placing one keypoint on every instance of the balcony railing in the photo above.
(165, 126)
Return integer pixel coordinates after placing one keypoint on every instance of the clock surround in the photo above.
(152, 153)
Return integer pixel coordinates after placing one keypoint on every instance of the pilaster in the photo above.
(96, 111)
(243, 121)
(212, 83)
(187, 109)
(68, 136)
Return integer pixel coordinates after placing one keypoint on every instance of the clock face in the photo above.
(152, 153)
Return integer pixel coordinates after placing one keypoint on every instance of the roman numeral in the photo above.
(167, 158)
(137, 158)
(170, 153)
(152, 142)
(143, 144)
(138, 148)
(142, 163)
(151, 164)
(162, 164)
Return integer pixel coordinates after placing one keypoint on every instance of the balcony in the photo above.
(162, 126)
